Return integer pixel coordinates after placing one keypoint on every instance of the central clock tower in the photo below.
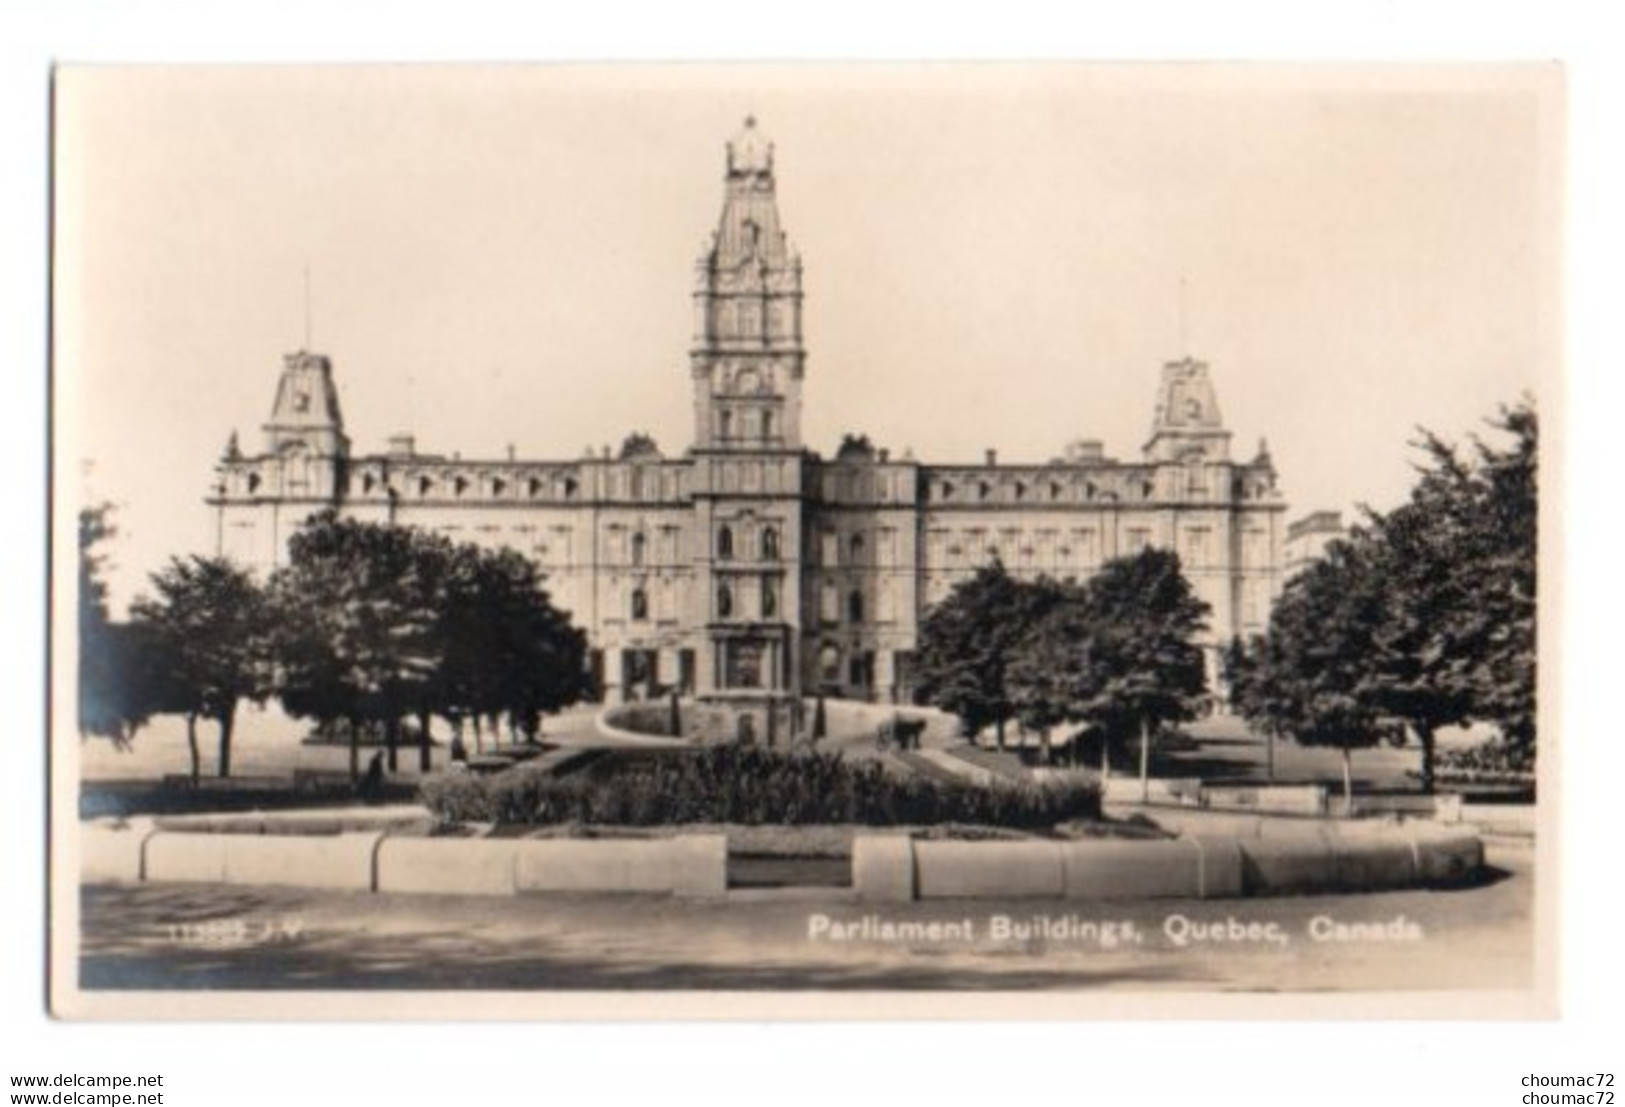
(747, 360)
(746, 365)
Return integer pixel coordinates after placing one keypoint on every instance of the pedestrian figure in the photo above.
(459, 751)
(372, 785)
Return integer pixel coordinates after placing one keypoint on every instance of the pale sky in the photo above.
(993, 256)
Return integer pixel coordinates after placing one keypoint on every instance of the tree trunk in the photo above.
(1269, 747)
(191, 745)
(1348, 783)
(226, 719)
(1145, 761)
(392, 740)
(479, 736)
(1424, 731)
(355, 748)
(425, 758)
(1105, 754)
(998, 732)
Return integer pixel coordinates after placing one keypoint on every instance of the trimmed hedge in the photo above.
(754, 786)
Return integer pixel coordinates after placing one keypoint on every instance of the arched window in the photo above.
(725, 601)
(854, 607)
(725, 424)
(767, 424)
(640, 604)
(770, 544)
(770, 598)
(637, 548)
(829, 664)
(856, 547)
(725, 544)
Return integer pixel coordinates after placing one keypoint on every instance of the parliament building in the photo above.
(750, 566)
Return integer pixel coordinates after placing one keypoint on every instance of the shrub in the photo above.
(754, 786)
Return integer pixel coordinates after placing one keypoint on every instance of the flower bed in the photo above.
(753, 786)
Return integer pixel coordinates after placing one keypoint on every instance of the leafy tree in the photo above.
(1457, 639)
(1248, 670)
(1425, 616)
(357, 614)
(533, 659)
(1311, 678)
(1505, 688)
(965, 646)
(380, 623)
(204, 645)
(107, 706)
(1118, 654)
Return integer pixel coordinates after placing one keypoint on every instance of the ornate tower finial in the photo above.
(750, 154)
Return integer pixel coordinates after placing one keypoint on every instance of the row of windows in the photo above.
(1036, 489)
(728, 547)
(746, 425)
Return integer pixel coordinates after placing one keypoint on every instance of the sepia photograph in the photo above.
(804, 540)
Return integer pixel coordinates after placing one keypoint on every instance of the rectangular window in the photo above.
(1198, 547)
(829, 602)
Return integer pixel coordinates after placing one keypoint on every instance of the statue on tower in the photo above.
(749, 153)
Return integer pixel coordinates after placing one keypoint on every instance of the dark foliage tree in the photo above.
(965, 647)
(380, 623)
(1424, 617)
(107, 701)
(204, 646)
(1119, 654)
(1458, 562)
(356, 624)
(1311, 678)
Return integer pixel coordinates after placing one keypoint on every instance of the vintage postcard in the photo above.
(804, 541)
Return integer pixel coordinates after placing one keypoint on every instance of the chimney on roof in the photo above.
(402, 445)
(992, 457)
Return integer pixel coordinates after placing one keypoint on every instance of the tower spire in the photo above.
(1184, 321)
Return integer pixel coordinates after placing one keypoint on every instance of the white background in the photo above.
(1478, 1063)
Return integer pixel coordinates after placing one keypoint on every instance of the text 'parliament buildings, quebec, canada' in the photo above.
(750, 566)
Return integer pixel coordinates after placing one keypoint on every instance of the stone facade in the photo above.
(750, 566)
(1307, 539)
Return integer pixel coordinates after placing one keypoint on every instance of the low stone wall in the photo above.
(1513, 819)
(114, 854)
(888, 868)
(896, 869)
(694, 865)
(1284, 799)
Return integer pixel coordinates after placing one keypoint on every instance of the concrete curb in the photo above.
(186, 857)
(115, 854)
(692, 866)
(632, 738)
(883, 868)
(332, 861)
(446, 866)
(973, 870)
(886, 868)
(1131, 870)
